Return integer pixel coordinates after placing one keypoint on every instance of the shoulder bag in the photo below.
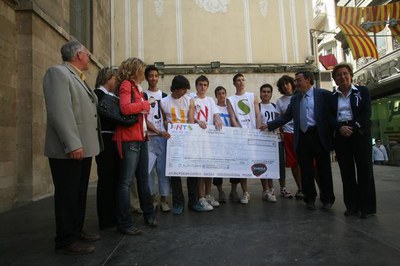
(109, 108)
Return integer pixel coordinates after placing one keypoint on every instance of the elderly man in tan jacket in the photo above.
(72, 139)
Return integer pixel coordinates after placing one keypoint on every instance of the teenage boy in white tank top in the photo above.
(244, 111)
(269, 113)
(220, 94)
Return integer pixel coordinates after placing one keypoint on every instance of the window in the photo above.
(80, 14)
(386, 118)
(326, 76)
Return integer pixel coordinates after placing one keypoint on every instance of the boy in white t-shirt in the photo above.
(206, 113)
(157, 139)
(244, 112)
(220, 94)
(268, 113)
(179, 108)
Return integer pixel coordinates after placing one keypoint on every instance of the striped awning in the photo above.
(349, 21)
(376, 16)
(394, 15)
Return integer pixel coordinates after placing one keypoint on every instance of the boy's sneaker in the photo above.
(245, 198)
(164, 206)
(286, 194)
(222, 197)
(233, 196)
(210, 199)
(202, 206)
(177, 209)
(299, 195)
(269, 195)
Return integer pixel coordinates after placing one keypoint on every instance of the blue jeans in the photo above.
(158, 146)
(134, 164)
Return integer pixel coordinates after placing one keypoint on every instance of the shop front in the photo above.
(382, 77)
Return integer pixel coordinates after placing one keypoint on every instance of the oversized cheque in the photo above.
(230, 152)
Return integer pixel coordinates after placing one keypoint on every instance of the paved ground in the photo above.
(259, 233)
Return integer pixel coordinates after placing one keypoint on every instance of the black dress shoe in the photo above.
(75, 249)
(350, 212)
(152, 222)
(131, 231)
(327, 206)
(310, 206)
(89, 237)
(366, 215)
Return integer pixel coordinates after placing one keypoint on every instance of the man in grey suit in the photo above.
(309, 109)
(72, 139)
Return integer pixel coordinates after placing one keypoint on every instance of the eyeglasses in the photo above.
(87, 53)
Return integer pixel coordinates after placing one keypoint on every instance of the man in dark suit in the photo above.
(351, 111)
(312, 138)
(72, 139)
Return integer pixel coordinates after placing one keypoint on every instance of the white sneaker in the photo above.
(271, 195)
(245, 198)
(205, 205)
(210, 199)
(285, 193)
(164, 206)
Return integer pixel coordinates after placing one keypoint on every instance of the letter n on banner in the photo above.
(349, 21)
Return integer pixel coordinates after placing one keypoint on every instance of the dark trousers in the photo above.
(107, 171)
(177, 193)
(309, 149)
(70, 178)
(358, 190)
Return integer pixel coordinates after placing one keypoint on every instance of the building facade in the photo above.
(31, 35)
(263, 39)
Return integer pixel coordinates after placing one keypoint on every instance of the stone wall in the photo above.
(8, 76)
(31, 35)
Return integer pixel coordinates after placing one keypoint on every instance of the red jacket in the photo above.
(135, 132)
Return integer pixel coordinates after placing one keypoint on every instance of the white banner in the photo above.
(230, 152)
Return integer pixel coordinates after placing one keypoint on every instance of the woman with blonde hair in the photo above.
(132, 146)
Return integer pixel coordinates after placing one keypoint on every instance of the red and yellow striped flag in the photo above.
(348, 15)
(394, 13)
(349, 20)
(374, 14)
